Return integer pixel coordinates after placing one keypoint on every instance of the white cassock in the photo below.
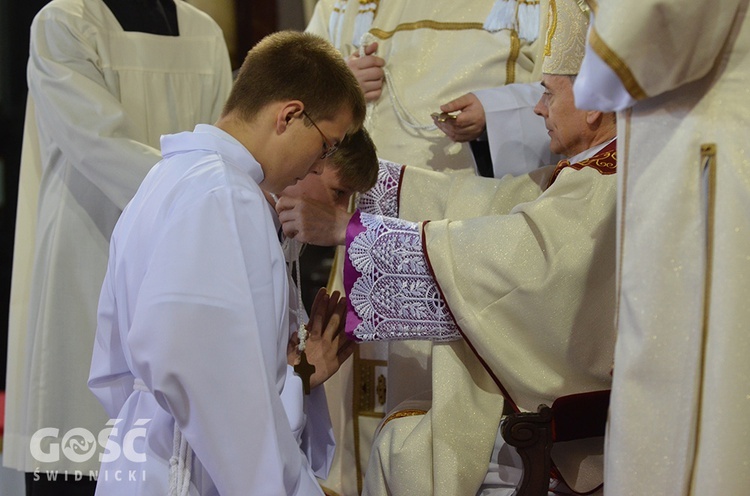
(193, 327)
(99, 99)
(678, 71)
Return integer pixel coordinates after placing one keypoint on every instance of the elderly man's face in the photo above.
(567, 127)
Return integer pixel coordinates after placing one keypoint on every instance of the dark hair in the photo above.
(289, 65)
(356, 161)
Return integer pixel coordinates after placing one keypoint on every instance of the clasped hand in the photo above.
(327, 345)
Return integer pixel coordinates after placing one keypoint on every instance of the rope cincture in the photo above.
(405, 117)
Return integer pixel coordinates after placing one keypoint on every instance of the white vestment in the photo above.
(102, 98)
(434, 52)
(680, 401)
(194, 314)
(534, 304)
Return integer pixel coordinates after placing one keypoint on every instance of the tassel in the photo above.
(336, 23)
(502, 16)
(179, 465)
(363, 22)
(528, 21)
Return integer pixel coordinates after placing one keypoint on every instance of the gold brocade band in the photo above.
(617, 65)
(551, 28)
(604, 162)
(426, 24)
(402, 414)
(515, 51)
(708, 165)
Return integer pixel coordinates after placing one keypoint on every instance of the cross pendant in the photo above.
(304, 370)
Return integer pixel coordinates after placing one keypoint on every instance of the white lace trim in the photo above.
(382, 199)
(396, 296)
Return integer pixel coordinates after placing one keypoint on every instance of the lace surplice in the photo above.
(393, 294)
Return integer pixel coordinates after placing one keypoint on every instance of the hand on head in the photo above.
(368, 69)
(312, 221)
(468, 124)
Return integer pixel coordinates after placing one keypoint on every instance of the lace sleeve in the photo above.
(392, 294)
(382, 199)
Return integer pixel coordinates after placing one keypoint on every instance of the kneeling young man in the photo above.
(193, 325)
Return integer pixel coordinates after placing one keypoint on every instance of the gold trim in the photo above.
(327, 491)
(708, 166)
(617, 65)
(402, 414)
(426, 24)
(593, 5)
(515, 51)
(551, 28)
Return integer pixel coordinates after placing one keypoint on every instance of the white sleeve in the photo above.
(597, 87)
(79, 112)
(518, 139)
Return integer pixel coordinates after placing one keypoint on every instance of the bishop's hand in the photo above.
(311, 221)
(469, 124)
(327, 345)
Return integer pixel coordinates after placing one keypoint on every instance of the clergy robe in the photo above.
(524, 274)
(99, 99)
(193, 327)
(680, 396)
(434, 51)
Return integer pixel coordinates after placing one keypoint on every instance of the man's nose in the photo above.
(317, 167)
(539, 108)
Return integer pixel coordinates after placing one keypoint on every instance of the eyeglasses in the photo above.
(328, 147)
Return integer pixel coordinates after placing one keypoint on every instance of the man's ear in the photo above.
(287, 113)
(593, 116)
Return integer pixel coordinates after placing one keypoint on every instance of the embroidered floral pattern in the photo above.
(395, 295)
(382, 199)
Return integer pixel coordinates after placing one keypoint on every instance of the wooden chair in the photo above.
(576, 416)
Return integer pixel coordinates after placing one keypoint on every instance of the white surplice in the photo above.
(99, 99)
(194, 313)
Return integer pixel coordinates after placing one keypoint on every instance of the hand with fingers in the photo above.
(470, 122)
(311, 221)
(327, 345)
(368, 69)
